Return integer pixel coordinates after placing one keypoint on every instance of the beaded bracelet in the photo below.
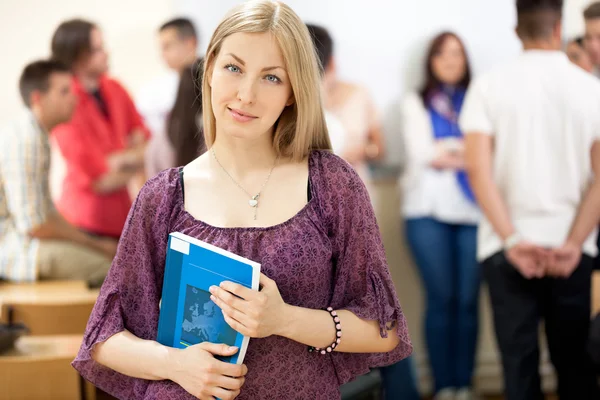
(338, 334)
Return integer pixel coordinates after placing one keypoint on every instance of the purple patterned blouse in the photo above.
(329, 254)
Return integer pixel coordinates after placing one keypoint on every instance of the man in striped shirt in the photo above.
(35, 241)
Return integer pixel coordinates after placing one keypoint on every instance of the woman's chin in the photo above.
(236, 133)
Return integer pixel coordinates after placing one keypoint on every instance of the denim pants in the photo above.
(399, 382)
(445, 255)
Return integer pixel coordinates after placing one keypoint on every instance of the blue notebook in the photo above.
(187, 314)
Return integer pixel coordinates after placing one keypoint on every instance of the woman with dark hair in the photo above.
(182, 141)
(441, 216)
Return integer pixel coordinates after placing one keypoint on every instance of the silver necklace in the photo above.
(253, 202)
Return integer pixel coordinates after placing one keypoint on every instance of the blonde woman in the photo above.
(268, 189)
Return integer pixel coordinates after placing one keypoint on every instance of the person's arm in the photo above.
(124, 166)
(315, 328)
(264, 313)
(446, 158)
(588, 214)
(195, 368)
(119, 353)
(479, 134)
(526, 257)
(132, 158)
(375, 149)
(28, 193)
(420, 148)
(112, 181)
(363, 295)
(135, 357)
(57, 228)
(565, 259)
(478, 164)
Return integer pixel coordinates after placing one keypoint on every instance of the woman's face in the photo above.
(449, 64)
(250, 85)
(579, 56)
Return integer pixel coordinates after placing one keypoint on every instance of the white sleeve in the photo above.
(416, 131)
(474, 116)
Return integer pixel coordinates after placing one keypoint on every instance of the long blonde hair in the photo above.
(301, 126)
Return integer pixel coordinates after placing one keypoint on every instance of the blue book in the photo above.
(187, 314)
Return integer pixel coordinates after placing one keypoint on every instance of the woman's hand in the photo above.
(197, 371)
(448, 160)
(251, 313)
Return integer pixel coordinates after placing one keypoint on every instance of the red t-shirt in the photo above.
(85, 142)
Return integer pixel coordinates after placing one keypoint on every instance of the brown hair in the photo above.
(71, 41)
(536, 19)
(182, 125)
(301, 127)
(36, 76)
(592, 11)
(432, 82)
(184, 26)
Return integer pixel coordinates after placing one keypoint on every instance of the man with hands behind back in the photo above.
(532, 151)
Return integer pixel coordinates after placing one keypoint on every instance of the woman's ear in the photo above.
(290, 101)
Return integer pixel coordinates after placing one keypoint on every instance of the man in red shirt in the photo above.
(103, 144)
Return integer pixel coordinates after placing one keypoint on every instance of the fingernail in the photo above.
(232, 348)
(213, 298)
(212, 289)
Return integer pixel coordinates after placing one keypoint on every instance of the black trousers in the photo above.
(518, 306)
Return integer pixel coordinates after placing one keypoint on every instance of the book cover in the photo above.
(187, 314)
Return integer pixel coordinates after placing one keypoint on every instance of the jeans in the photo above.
(445, 255)
(399, 381)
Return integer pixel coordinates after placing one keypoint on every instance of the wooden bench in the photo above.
(40, 368)
(48, 308)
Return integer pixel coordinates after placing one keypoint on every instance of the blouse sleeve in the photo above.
(363, 283)
(129, 297)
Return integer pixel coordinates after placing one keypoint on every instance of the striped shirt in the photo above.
(25, 200)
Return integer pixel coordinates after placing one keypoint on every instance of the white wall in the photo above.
(380, 43)
(573, 17)
(129, 27)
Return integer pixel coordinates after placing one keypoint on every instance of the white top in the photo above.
(544, 114)
(426, 191)
(155, 100)
(337, 133)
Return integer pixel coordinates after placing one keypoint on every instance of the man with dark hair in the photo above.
(103, 145)
(178, 43)
(532, 131)
(324, 48)
(323, 45)
(179, 49)
(592, 34)
(360, 139)
(36, 242)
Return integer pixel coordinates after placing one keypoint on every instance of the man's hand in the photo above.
(530, 260)
(564, 260)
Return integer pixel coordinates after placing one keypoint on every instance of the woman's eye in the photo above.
(232, 68)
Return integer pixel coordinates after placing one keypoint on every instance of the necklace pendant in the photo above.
(253, 202)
